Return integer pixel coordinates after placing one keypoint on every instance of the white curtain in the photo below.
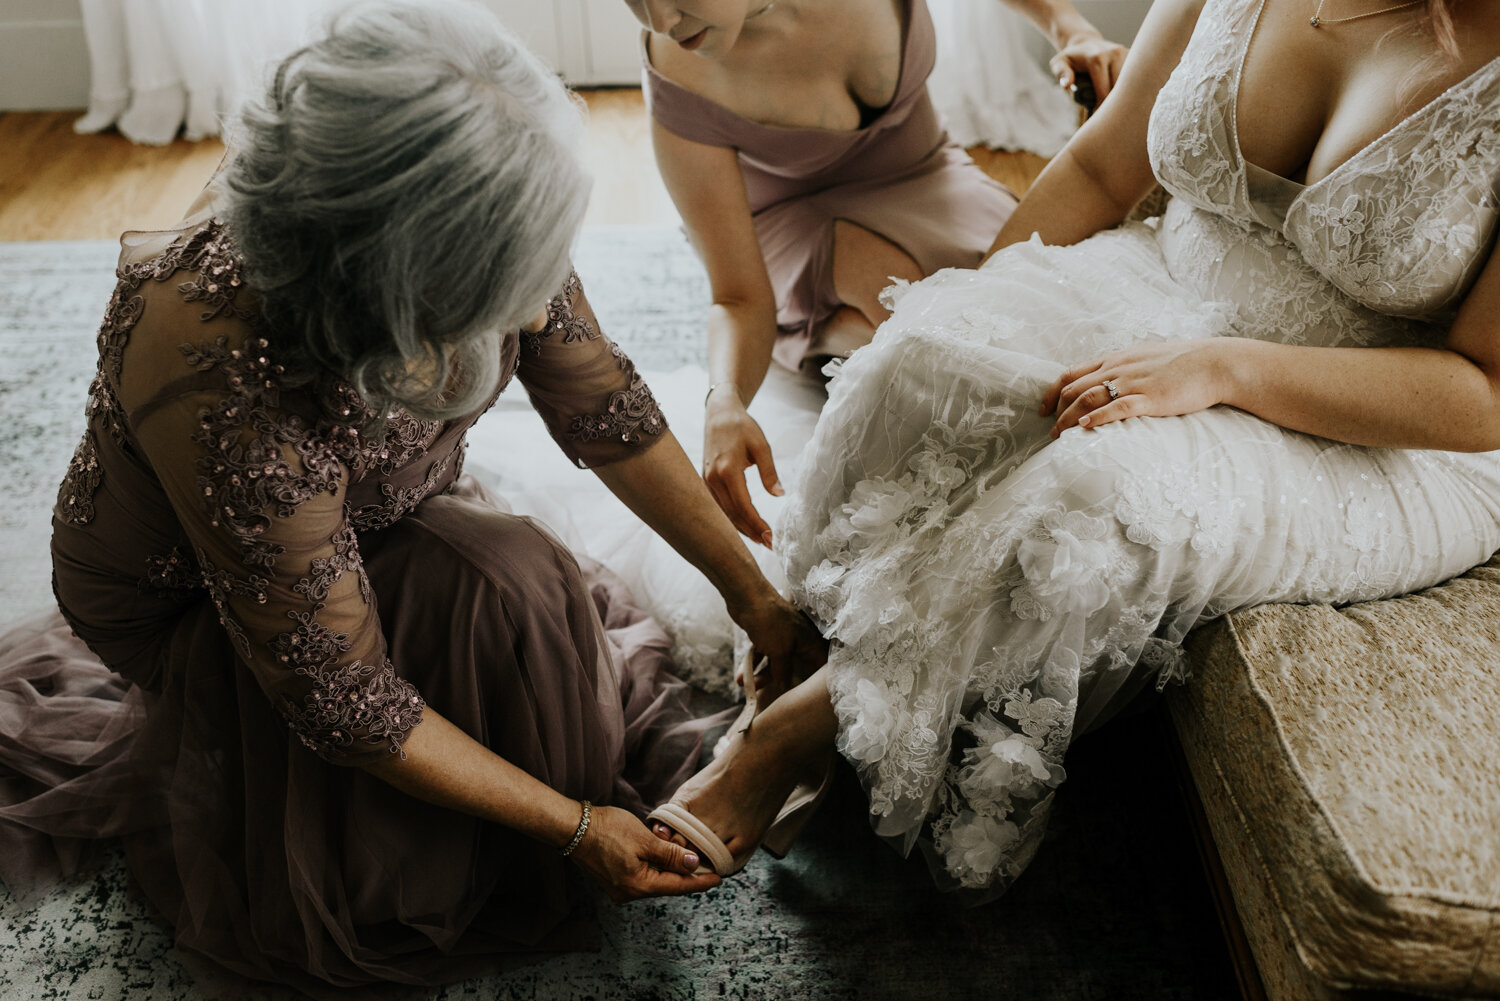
(164, 66)
(988, 83)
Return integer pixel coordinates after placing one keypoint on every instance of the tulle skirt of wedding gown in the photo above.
(991, 592)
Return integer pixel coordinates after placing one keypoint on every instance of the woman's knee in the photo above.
(864, 264)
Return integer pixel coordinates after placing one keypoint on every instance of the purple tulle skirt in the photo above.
(281, 867)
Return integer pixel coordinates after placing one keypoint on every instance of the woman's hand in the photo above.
(732, 443)
(1152, 380)
(630, 862)
(788, 641)
(1093, 55)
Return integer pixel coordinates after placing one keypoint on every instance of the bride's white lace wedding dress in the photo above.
(993, 593)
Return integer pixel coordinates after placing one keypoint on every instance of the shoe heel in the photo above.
(800, 806)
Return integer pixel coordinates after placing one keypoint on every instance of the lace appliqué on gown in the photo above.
(991, 592)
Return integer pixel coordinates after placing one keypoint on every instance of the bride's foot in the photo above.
(739, 795)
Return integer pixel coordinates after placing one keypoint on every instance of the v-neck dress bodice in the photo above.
(780, 163)
(1394, 234)
(899, 176)
(993, 592)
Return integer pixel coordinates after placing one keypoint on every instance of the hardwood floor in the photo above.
(56, 185)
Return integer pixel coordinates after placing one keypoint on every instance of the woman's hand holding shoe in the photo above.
(630, 862)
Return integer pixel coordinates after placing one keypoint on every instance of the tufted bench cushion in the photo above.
(1348, 761)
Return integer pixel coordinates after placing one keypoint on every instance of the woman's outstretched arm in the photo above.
(1104, 171)
(445, 766)
(706, 186)
(1081, 48)
(660, 486)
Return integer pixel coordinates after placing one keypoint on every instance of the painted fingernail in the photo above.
(1084, 421)
(690, 860)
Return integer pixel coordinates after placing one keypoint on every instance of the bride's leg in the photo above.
(739, 794)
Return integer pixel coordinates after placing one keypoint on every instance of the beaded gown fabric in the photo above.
(273, 588)
(994, 593)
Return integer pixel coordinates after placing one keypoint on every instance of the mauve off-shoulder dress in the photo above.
(272, 593)
(898, 176)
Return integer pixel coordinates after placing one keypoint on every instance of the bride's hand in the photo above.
(1151, 380)
(733, 442)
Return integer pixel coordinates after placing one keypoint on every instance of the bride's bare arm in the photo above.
(1103, 171)
(1444, 398)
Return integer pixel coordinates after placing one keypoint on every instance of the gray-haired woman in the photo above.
(265, 532)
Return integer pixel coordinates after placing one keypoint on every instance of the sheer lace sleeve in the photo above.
(589, 393)
(259, 492)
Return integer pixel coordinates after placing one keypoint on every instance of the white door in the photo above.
(589, 42)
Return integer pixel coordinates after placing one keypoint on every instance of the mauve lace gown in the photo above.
(898, 176)
(280, 594)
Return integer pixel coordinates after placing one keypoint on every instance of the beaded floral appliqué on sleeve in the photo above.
(630, 414)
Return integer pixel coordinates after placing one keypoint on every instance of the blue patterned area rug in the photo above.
(1115, 906)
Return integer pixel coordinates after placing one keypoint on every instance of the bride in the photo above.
(1042, 474)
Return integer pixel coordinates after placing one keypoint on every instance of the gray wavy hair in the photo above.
(409, 187)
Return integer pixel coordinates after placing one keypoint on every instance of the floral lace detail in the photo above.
(324, 573)
(402, 436)
(354, 702)
(221, 585)
(75, 498)
(211, 254)
(259, 458)
(173, 572)
(1392, 233)
(205, 250)
(399, 501)
(120, 317)
(630, 413)
(311, 647)
(245, 476)
(562, 319)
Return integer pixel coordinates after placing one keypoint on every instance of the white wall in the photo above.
(44, 62)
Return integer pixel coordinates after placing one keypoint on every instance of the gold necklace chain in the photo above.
(1317, 20)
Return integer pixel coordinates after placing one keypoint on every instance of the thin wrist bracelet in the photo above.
(583, 828)
(722, 382)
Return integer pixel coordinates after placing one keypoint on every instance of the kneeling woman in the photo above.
(265, 530)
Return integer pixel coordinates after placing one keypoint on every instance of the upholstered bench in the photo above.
(1348, 765)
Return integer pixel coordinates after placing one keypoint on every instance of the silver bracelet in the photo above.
(714, 386)
(583, 828)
